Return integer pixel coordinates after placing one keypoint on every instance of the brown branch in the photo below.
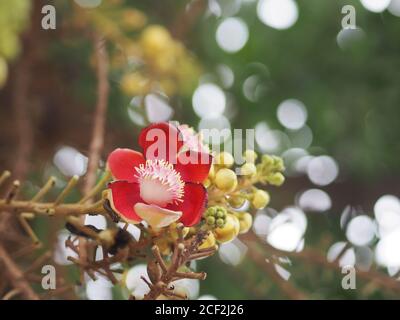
(290, 290)
(97, 140)
(48, 208)
(16, 276)
(313, 257)
(187, 18)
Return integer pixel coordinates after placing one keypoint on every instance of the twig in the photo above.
(285, 286)
(97, 139)
(315, 258)
(16, 276)
(4, 176)
(11, 294)
(71, 184)
(47, 208)
(162, 277)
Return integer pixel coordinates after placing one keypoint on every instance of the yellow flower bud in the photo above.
(208, 242)
(211, 173)
(229, 231)
(133, 19)
(155, 39)
(134, 84)
(174, 233)
(250, 156)
(276, 179)
(236, 201)
(226, 179)
(224, 159)
(3, 71)
(246, 221)
(267, 160)
(248, 169)
(260, 199)
(207, 183)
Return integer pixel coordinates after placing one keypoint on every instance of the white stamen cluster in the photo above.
(164, 173)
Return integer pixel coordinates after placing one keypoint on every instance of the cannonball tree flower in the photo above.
(165, 184)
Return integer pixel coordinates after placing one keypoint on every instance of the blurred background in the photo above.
(323, 96)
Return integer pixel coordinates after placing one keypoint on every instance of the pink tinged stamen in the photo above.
(192, 140)
(160, 183)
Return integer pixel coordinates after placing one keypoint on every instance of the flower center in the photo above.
(160, 183)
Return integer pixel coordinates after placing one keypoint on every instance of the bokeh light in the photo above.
(315, 200)
(292, 114)
(209, 101)
(278, 14)
(70, 161)
(361, 230)
(339, 251)
(232, 34)
(375, 5)
(88, 3)
(394, 8)
(157, 108)
(322, 170)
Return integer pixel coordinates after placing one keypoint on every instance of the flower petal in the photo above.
(155, 216)
(124, 196)
(122, 163)
(193, 205)
(193, 166)
(161, 141)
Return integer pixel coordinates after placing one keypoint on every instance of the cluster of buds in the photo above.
(146, 56)
(13, 20)
(234, 190)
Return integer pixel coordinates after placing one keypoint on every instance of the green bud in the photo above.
(221, 213)
(220, 222)
(210, 221)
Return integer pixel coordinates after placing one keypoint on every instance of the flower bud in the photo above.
(245, 221)
(207, 183)
(248, 169)
(276, 179)
(211, 173)
(267, 160)
(210, 221)
(250, 156)
(220, 222)
(155, 39)
(278, 164)
(3, 71)
(133, 84)
(236, 201)
(229, 231)
(215, 216)
(208, 242)
(260, 199)
(224, 159)
(226, 179)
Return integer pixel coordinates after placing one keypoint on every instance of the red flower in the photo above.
(165, 185)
